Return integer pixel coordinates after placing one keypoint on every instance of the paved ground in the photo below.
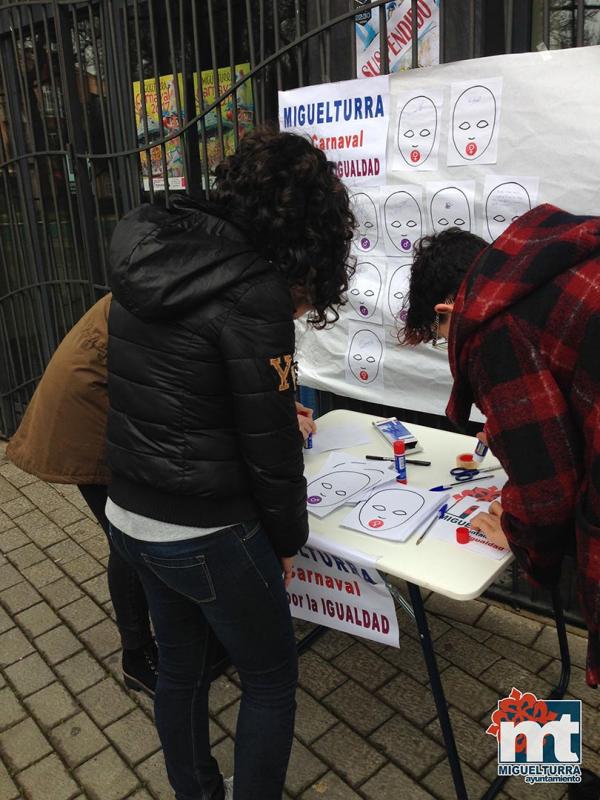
(366, 725)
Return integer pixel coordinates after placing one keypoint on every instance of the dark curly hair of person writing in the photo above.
(286, 197)
(440, 264)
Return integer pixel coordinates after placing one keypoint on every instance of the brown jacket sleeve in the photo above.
(61, 437)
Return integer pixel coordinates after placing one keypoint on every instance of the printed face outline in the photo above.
(389, 509)
(397, 291)
(366, 234)
(505, 203)
(403, 221)
(364, 356)
(365, 289)
(450, 209)
(335, 487)
(417, 129)
(473, 122)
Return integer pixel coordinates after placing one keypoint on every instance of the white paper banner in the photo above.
(333, 591)
(537, 143)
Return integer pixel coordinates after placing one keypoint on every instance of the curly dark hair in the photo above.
(440, 263)
(284, 194)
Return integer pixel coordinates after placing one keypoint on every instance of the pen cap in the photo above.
(463, 535)
(399, 447)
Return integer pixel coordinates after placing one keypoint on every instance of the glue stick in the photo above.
(400, 460)
(480, 452)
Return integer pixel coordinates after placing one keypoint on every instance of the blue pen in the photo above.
(439, 515)
(460, 483)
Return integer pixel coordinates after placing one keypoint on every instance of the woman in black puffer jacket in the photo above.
(208, 498)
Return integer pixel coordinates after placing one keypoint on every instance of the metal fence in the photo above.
(82, 85)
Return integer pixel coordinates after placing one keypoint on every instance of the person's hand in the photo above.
(305, 420)
(287, 566)
(482, 436)
(489, 524)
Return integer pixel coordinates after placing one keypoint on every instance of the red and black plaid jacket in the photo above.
(525, 347)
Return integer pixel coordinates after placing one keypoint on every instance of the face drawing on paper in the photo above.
(505, 203)
(473, 122)
(366, 234)
(389, 509)
(450, 209)
(365, 356)
(403, 220)
(417, 128)
(397, 291)
(335, 488)
(365, 289)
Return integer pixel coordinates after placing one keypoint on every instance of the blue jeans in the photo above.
(229, 585)
(126, 591)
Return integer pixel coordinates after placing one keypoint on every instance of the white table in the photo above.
(448, 569)
(442, 567)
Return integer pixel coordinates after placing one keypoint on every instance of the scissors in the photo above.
(462, 474)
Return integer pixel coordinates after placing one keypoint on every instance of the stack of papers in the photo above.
(344, 479)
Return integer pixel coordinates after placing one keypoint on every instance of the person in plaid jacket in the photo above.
(522, 317)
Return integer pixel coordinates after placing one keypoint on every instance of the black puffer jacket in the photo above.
(202, 427)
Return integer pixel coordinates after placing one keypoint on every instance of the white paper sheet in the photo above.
(365, 355)
(402, 218)
(505, 199)
(395, 512)
(451, 205)
(474, 131)
(366, 290)
(337, 438)
(396, 291)
(341, 480)
(417, 121)
(368, 235)
(464, 506)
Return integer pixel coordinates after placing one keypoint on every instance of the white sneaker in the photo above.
(228, 784)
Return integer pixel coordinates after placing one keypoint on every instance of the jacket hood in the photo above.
(164, 262)
(530, 254)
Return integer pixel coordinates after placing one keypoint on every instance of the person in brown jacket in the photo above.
(61, 439)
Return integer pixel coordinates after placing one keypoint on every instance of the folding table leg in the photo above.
(565, 657)
(306, 642)
(438, 691)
